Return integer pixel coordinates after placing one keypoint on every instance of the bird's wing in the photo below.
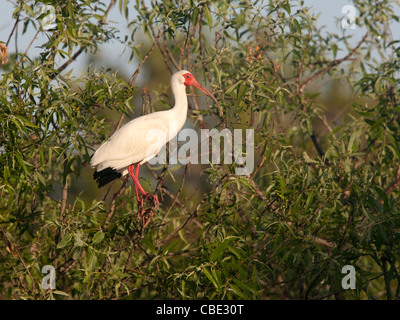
(140, 139)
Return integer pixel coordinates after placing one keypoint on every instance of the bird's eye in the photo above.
(187, 76)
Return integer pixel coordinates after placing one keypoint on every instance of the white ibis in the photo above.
(128, 146)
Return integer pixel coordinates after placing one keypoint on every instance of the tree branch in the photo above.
(78, 53)
(173, 202)
(132, 80)
(333, 64)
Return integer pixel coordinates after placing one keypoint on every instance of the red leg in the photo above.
(135, 177)
(142, 214)
(137, 171)
(130, 170)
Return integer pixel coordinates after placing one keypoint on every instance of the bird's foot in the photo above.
(146, 214)
(153, 198)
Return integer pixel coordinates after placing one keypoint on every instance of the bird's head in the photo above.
(180, 77)
(184, 77)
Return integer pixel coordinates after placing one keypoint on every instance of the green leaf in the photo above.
(286, 6)
(29, 281)
(98, 237)
(61, 293)
(217, 252)
(309, 201)
(237, 291)
(208, 17)
(297, 25)
(212, 278)
(64, 241)
(195, 14)
(233, 87)
(68, 168)
(282, 185)
(334, 48)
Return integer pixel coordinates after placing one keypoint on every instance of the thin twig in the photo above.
(14, 27)
(395, 183)
(72, 59)
(81, 49)
(317, 146)
(132, 80)
(331, 65)
(256, 189)
(173, 202)
(169, 53)
(13, 248)
(114, 199)
(258, 167)
(177, 229)
(386, 278)
(64, 196)
(30, 44)
(192, 216)
(119, 124)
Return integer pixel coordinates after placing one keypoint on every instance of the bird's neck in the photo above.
(181, 101)
(178, 114)
(179, 111)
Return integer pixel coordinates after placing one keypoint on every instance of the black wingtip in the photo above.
(105, 176)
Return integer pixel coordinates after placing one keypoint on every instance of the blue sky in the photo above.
(330, 14)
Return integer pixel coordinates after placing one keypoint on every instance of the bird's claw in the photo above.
(154, 198)
(145, 215)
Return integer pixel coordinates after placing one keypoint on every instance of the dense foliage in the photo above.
(324, 192)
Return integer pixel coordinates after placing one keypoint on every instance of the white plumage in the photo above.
(142, 138)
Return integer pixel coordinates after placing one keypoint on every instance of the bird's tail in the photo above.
(106, 176)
